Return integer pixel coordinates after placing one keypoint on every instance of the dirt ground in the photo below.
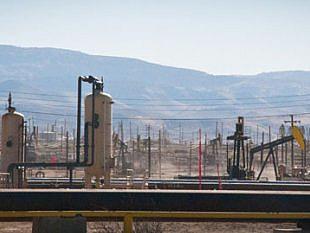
(208, 227)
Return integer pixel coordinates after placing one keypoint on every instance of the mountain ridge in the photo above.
(55, 71)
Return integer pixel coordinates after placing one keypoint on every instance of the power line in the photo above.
(208, 119)
(161, 99)
(211, 99)
(152, 105)
(175, 119)
(38, 94)
(215, 110)
(205, 105)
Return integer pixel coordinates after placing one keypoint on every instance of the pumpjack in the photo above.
(236, 168)
(296, 135)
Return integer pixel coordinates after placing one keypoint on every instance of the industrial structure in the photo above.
(97, 160)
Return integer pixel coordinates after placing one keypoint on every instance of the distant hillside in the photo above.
(55, 71)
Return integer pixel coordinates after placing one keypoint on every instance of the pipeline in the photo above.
(96, 85)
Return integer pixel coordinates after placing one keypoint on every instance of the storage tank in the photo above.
(103, 137)
(12, 137)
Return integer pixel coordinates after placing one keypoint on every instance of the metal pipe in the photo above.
(93, 125)
(78, 120)
(25, 144)
(86, 145)
(95, 84)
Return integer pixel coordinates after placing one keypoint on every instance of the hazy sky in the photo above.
(219, 37)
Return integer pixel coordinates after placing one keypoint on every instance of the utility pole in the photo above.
(65, 125)
(205, 157)
(190, 158)
(25, 144)
(257, 134)
(292, 121)
(262, 151)
(199, 158)
(61, 136)
(130, 136)
(67, 150)
(149, 149)
(74, 143)
(138, 140)
(67, 147)
(269, 132)
(180, 133)
(133, 155)
(159, 152)
(122, 148)
(222, 132)
(164, 137)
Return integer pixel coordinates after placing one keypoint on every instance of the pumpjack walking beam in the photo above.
(270, 146)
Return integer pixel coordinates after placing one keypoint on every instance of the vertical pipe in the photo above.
(286, 151)
(93, 125)
(238, 153)
(243, 154)
(234, 158)
(70, 176)
(23, 146)
(78, 121)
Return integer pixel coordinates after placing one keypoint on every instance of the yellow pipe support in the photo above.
(128, 223)
(129, 216)
(157, 214)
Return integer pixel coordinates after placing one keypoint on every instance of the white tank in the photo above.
(103, 137)
(12, 138)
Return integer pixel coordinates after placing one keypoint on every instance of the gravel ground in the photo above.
(180, 227)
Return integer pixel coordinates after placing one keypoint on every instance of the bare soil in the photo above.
(180, 227)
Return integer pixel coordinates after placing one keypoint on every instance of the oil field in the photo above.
(98, 172)
(154, 116)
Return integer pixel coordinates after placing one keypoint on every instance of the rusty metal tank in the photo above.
(12, 137)
(103, 137)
